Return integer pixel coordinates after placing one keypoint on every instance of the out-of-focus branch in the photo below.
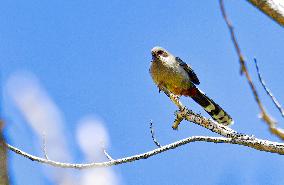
(264, 115)
(4, 178)
(268, 91)
(273, 8)
(234, 39)
(3, 158)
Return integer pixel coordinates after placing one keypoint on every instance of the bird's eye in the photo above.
(160, 52)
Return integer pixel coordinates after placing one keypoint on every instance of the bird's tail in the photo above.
(212, 108)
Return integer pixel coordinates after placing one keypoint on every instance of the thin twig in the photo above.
(105, 151)
(268, 91)
(153, 135)
(107, 155)
(44, 146)
(264, 115)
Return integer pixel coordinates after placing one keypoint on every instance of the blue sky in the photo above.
(92, 57)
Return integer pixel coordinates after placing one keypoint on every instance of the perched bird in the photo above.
(176, 76)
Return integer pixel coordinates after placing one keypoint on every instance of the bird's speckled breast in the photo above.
(172, 76)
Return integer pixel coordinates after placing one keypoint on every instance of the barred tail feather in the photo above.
(212, 108)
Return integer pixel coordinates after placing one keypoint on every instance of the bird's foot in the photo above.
(160, 87)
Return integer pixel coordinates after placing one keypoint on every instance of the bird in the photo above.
(178, 77)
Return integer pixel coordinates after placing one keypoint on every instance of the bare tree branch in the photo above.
(264, 115)
(230, 136)
(4, 178)
(184, 113)
(273, 8)
(258, 144)
(268, 91)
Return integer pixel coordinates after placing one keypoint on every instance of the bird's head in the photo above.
(159, 53)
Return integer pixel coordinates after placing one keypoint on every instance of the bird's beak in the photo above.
(154, 55)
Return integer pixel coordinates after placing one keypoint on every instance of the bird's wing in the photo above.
(193, 77)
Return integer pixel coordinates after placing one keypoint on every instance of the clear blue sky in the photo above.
(92, 57)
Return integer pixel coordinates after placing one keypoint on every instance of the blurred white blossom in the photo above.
(92, 137)
(40, 111)
(43, 116)
(99, 176)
